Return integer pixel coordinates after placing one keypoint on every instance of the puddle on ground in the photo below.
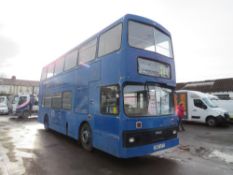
(226, 157)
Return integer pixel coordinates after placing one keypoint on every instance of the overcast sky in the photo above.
(33, 33)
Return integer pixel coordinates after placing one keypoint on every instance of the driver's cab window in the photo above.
(199, 104)
(110, 100)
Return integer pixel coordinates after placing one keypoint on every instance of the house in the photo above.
(223, 88)
(13, 86)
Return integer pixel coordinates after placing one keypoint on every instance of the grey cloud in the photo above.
(8, 49)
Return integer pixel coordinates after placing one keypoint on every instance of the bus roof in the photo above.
(126, 17)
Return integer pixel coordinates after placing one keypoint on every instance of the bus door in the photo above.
(106, 117)
(93, 100)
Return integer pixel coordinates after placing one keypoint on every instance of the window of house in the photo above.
(110, 41)
(110, 99)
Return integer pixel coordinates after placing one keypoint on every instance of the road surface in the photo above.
(26, 148)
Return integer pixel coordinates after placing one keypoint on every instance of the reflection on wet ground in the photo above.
(26, 148)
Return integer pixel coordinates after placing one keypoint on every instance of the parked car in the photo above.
(4, 109)
(199, 108)
(25, 105)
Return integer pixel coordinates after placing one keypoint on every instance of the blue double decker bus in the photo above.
(115, 91)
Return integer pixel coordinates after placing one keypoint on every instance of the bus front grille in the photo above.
(149, 136)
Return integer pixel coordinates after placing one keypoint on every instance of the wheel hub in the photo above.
(85, 136)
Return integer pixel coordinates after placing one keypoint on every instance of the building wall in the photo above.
(15, 90)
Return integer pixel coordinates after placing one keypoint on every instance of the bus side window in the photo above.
(56, 101)
(59, 64)
(71, 60)
(110, 41)
(47, 101)
(67, 100)
(109, 100)
(87, 51)
(50, 70)
(44, 73)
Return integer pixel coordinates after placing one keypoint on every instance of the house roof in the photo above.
(17, 82)
(219, 85)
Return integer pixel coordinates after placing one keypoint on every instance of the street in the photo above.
(26, 148)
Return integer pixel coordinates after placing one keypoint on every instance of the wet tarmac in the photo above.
(26, 148)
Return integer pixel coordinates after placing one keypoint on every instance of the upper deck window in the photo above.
(149, 38)
(71, 59)
(110, 41)
(50, 70)
(44, 73)
(59, 66)
(87, 51)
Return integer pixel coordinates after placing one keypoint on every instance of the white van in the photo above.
(225, 104)
(4, 105)
(199, 108)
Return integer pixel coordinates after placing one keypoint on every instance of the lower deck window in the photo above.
(56, 101)
(67, 100)
(47, 101)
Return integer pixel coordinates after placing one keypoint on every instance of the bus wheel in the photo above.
(211, 121)
(46, 123)
(86, 137)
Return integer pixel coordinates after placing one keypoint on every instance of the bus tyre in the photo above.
(211, 121)
(86, 137)
(46, 123)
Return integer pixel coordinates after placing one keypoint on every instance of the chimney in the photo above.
(13, 77)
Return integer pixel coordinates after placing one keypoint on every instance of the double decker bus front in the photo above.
(150, 123)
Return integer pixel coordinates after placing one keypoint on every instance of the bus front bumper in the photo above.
(148, 149)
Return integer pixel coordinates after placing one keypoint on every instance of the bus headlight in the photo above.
(174, 132)
(131, 140)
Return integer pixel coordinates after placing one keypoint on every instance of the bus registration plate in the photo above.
(159, 146)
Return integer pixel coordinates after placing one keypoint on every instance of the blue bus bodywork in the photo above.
(113, 132)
